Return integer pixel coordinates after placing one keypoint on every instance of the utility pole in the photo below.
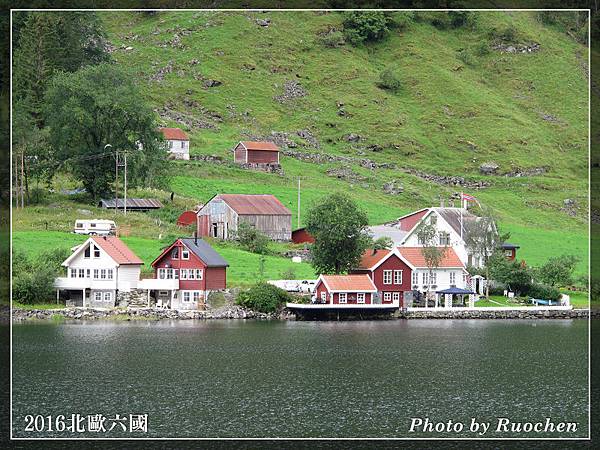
(16, 184)
(22, 178)
(298, 225)
(125, 186)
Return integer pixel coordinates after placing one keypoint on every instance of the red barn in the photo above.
(186, 218)
(345, 289)
(510, 251)
(301, 236)
(251, 152)
(389, 271)
(185, 272)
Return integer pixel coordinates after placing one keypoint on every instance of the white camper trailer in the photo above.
(98, 227)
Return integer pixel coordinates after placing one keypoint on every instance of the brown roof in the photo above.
(255, 204)
(262, 145)
(371, 257)
(414, 255)
(353, 283)
(175, 134)
(117, 250)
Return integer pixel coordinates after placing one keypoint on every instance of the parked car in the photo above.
(99, 227)
(307, 286)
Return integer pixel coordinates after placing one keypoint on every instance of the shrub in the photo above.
(465, 56)
(365, 26)
(401, 20)
(388, 79)
(34, 287)
(507, 34)
(482, 49)
(251, 239)
(461, 18)
(544, 292)
(558, 270)
(333, 39)
(263, 297)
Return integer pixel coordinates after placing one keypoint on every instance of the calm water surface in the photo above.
(301, 379)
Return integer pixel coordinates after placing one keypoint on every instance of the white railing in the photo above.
(158, 284)
(83, 283)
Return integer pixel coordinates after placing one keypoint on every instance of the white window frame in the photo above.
(175, 253)
(109, 274)
(396, 297)
(425, 278)
(98, 296)
(108, 296)
(185, 253)
(344, 296)
(397, 276)
(81, 273)
(324, 296)
(415, 278)
(196, 296)
(88, 273)
(87, 250)
(73, 273)
(199, 274)
(387, 296)
(96, 251)
(360, 297)
(387, 277)
(103, 274)
(169, 273)
(96, 274)
(433, 277)
(186, 297)
(444, 238)
(161, 273)
(183, 273)
(452, 277)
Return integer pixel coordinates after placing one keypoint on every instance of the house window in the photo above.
(88, 273)
(86, 253)
(415, 278)
(444, 238)
(107, 297)
(96, 271)
(175, 253)
(176, 274)
(199, 274)
(184, 274)
(163, 293)
(387, 296)
(170, 144)
(185, 253)
(433, 278)
(98, 296)
(191, 274)
(397, 277)
(81, 273)
(182, 144)
(360, 297)
(324, 296)
(186, 296)
(508, 253)
(387, 277)
(425, 278)
(96, 252)
(196, 296)
(169, 274)
(342, 297)
(421, 240)
(103, 274)
(433, 219)
(396, 297)
(73, 273)
(452, 277)
(109, 274)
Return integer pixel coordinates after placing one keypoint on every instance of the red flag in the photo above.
(468, 197)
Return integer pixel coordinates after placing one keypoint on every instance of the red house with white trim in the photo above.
(252, 152)
(185, 273)
(345, 290)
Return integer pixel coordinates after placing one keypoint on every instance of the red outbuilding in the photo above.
(301, 236)
(187, 218)
(252, 152)
(345, 289)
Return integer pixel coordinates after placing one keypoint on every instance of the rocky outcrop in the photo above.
(448, 180)
(489, 168)
(517, 48)
(291, 90)
(324, 158)
(393, 187)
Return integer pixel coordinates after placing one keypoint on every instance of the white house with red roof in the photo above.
(97, 271)
(178, 142)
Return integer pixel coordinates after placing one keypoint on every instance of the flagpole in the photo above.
(461, 215)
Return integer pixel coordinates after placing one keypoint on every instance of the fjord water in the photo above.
(302, 379)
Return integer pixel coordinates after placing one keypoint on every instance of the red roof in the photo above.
(186, 218)
(255, 204)
(351, 283)
(175, 134)
(414, 255)
(371, 257)
(254, 145)
(117, 250)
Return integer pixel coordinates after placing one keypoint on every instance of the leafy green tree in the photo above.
(433, 253)
(96, 106)
(513, 275)
(366, 26)
(382, 243)
(33, 279)
(558, 270)
(252, 239)
(263, 297)
(339, 227)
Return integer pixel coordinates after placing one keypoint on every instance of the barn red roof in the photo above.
(255, 204)
(356, 283)
(371, 257)
(186, 218)
(117, 250)
(414, 255)
(175, 134)
(255, 145)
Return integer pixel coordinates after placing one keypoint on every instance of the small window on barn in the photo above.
(185, 253)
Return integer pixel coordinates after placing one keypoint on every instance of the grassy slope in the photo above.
(495, 103)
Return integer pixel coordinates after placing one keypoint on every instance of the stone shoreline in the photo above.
(237, 312)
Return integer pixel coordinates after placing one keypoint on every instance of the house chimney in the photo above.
(374, 252)
(196, 238)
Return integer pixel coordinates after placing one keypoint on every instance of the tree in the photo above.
(512, 274)
(432, 253)
(558, 270)
(366, 26)
(388, 79)
(96, 106)
(263, 297)
(252, 239)
(382, 243)
(482, 239)
(339, 228)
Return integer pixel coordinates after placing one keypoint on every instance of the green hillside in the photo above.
(462, 103)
